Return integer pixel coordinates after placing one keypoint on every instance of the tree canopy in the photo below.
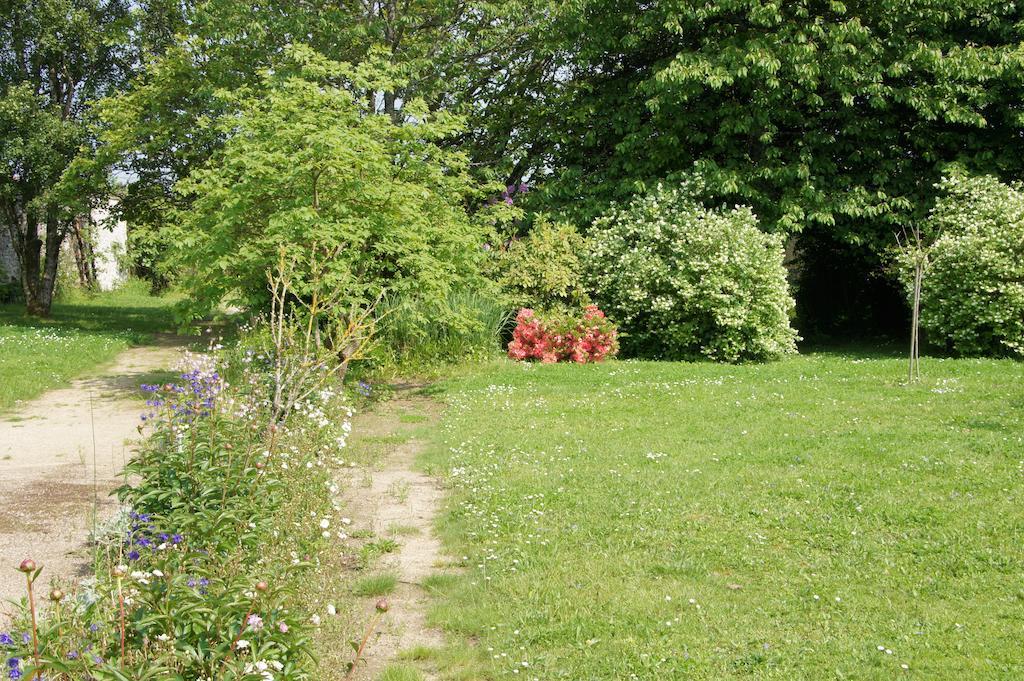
(839, 114)
(364, 202)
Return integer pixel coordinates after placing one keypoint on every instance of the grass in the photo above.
(375, 585)
(83, 332)
(401, 672)
(418, 336)
(807, 519)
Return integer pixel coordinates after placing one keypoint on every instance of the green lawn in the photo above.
(84, 332)
(808, 519)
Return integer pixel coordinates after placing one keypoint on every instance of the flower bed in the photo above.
(229, 507)
(559, 337)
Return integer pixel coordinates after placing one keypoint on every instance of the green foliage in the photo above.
(839, 114)
(226, 509)
(972, 295)
(544, 269)
(174, 117)
(415, 332)
(307, 169)
(683, 281)
(375, 585)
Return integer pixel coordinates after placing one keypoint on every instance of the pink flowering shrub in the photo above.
(560, 337)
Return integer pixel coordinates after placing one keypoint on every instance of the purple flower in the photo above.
(6, 640)
(133, 555)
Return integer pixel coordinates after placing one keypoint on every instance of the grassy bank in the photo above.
(812, 518)
(83, 332)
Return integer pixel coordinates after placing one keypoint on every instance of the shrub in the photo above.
(308, 168)
(561, 337)
(972, 295)
(684, 281)
(543, 269)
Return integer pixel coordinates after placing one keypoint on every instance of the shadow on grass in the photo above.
(142, 320)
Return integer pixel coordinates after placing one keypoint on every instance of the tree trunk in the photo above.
(39, 267)
(85, 259)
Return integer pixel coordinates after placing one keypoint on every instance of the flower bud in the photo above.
(383, 605)
(228, 446)
(56, 595)
(273, 427)
(28, 565)
(262, 586)
(119, 571)
(260, 465)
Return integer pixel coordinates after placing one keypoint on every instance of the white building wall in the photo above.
(8, 259)
(111, 241)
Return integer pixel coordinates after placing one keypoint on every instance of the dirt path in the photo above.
(396, 501)
(60, 454)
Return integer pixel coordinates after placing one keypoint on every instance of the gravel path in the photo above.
(398, 495)
(60, 456)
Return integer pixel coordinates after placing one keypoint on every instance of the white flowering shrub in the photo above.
(972, 295)
(683, 281)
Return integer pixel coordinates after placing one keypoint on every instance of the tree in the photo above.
(814, 112)
(307, 169)
(57, 57)
(972, 293)
(451, 55)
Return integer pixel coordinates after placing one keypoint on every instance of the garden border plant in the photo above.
(200, 575)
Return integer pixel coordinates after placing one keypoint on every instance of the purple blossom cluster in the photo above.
(144, 536)
(509, 192)
(195, 397)
(200, 584)
(12, 666)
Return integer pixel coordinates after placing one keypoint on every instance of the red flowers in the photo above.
(563, 338)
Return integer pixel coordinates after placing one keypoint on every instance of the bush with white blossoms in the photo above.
(683, 281)
(972, 294)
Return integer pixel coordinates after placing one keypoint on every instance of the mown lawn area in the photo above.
(808, 519)
(85, 332)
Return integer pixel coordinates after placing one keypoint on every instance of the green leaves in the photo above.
(308, 168)
(832, 114)
(683, 281)
(972, 297)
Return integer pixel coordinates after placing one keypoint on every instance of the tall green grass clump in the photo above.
(415, 332)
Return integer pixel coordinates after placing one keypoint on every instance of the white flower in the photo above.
(242, 644)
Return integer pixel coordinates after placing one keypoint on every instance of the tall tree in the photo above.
(816, 112)
(56, 58)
